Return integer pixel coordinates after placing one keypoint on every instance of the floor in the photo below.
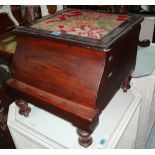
(151, 140)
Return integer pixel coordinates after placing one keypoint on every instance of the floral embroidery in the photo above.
(121, 18)
(87, 31)
(80, 23)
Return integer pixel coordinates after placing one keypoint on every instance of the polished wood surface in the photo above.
(68, 71)
(24, 109)
(85, 138)
(120, 63)
(81, 116)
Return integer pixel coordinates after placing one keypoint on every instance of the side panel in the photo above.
(68, 71)
(120, 63)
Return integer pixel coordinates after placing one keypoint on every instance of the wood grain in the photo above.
(67, 71)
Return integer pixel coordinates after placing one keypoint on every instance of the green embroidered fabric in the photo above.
(81, 23)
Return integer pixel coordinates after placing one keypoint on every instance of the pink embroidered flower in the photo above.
(86, 31)
(121, 18)
(64, 16)
(61, 26)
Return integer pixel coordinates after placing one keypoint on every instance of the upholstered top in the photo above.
(81, 23)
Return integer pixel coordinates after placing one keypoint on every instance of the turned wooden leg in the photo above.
(126, 84)
(24, 109)
(85, 138)
(144, 43)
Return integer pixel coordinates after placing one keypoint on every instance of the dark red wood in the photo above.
(71, 79)
(85, 138)
(24, 109)
(56, 65)
(126, 84)
(120, 63)
(81, 116)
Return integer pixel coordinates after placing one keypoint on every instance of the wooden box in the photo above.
(72, 63)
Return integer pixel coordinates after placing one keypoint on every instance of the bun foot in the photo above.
(126, 84)
(144, 43)
(85, 138)
(24, 109)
